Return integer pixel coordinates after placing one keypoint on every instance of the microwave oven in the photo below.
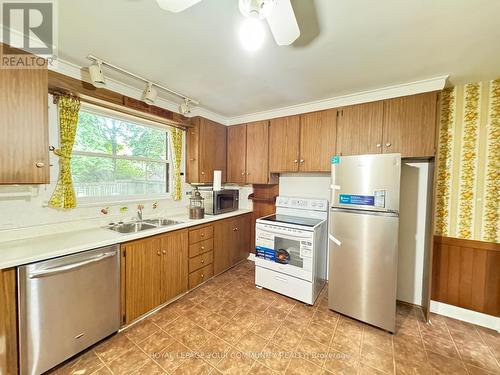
(220, 201)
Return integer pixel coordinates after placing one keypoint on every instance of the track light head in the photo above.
(185, 108)
(149, 94)
(96, 74)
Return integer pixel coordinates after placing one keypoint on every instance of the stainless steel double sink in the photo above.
(138, 226)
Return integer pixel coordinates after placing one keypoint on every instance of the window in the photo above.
(116, 157)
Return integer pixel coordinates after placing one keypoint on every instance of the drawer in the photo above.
(201, 247)
(200, 276)
(197, 235)
(201, 261)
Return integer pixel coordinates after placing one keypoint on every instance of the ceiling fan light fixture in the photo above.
(256, 8)
(149, 94)
(252, 33)
(97, 74)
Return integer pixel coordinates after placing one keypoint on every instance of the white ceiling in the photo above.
(346, 46)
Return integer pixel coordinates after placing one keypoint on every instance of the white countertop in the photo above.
(18, 252)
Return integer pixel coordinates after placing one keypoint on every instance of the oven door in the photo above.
(288, 253)
(225, 201)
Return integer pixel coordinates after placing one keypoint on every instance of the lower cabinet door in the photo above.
(241, 239)
(223, 240)
(174, 264)
(142, 277)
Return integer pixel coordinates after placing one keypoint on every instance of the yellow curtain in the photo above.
(64, 194)
(177, 155)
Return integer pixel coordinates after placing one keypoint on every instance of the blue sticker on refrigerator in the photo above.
(359, 200)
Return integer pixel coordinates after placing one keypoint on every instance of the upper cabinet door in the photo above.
(24, 144)
(359, 129)
(212, 150)
(192, 152)
(318, 132)
(257, 171)
(410, 125)
(284, 135)
(236, 153)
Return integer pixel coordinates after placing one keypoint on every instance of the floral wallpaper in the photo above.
(468, 162)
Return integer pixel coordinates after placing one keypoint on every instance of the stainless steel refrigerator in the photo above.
(363, 236)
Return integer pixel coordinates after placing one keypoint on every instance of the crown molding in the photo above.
(75, 71)
(405, 89)
(411, 88)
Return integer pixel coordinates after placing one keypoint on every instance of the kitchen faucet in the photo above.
(140, 207)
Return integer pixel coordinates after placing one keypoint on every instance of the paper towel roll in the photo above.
(217, 180)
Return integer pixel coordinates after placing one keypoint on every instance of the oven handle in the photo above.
(72, 266)
(283, 233)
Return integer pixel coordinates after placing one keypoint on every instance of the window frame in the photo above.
(105, 112)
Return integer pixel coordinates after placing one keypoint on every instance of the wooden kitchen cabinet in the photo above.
(359, 129)
(174, 264)
(303, 143)
(24, 144)
(205, 150)
(201, 254)
(409, 125)
(242, 233)
(156, 270)
(284, 136)
(248, 154)
(318, 133)
(231, 242)
(237, 154)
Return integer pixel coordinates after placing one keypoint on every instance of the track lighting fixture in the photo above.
(185, 108)
(96, 74)
(149, 94)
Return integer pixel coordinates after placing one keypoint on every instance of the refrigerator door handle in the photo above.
(335, 240)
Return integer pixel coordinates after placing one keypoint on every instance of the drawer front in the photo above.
(201, 247)
(200, 276)
(201, 261)
(197, 235)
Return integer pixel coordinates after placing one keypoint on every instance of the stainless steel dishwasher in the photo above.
(65, 305)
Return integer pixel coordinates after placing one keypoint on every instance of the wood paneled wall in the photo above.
(466, 273)
(8, 322)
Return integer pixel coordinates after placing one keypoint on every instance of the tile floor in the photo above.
(228, 326)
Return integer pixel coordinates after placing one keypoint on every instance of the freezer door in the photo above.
(363, 266)
(369, 182)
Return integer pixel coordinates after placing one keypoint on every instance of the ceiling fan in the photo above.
(278, 13)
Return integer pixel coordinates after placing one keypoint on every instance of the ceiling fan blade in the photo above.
(283, 23)
(176, 6)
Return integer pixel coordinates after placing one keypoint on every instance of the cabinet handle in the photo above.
(387, 145)
(203, 173)
(164, 252)
(242, 173)
(192, 159)
(202, 261)
(203, 247)
(379, 145)
(295, 161)
(202, 234)
(159, 254)
(248, 173)
(40, 164)
(301, 160)
(202, 276)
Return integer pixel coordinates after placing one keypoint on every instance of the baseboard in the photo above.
(465, 315)
(251, 257)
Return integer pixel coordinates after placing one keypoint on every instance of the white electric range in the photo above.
(291, 248)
